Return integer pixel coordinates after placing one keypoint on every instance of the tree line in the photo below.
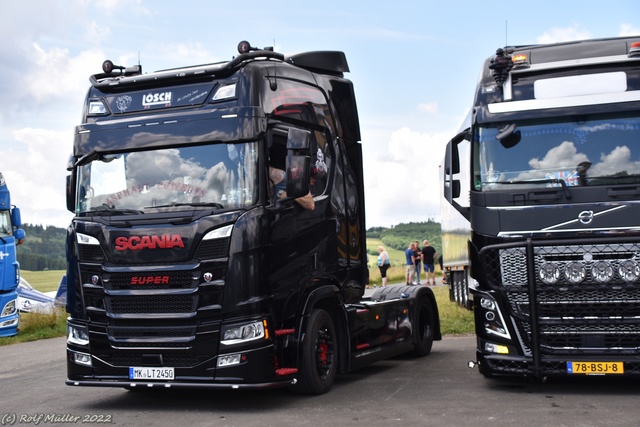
(400, 236)
(43, 248)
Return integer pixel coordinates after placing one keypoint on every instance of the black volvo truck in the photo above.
(546, 174)
(190, 265)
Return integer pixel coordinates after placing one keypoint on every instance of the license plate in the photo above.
(136, 373)
(595, 368)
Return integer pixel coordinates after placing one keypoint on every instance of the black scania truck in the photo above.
(546, 176)
(188, 267)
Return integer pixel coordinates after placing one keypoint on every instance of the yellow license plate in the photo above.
(595, 368)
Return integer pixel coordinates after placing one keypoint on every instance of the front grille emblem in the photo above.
(207, 277)
(585, 217)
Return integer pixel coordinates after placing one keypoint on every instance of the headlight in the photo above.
(9, 308)
(83, 239)
(78, 335)
(219, 233)
(242, 333)
(494, 323)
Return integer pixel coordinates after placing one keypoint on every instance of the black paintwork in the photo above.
(152, 306)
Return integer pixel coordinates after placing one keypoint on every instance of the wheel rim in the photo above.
(324, 352)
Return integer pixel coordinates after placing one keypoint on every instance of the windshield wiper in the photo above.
(565, 188)
(110, 210)
(195, 204)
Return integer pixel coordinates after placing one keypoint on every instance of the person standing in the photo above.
(411, 268)
(383, 264)
(417, 261)
(428, 259)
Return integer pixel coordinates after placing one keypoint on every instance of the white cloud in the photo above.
(37, 175)
(401, 177)
(428, 107)
(556, 35)
(58, 73)
(629, 30)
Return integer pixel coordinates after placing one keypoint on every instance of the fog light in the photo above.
(81, 358)
(549, 273)
(8, 323)
(229, 359)
(496, 348)
(629, 270)
(575, 272)
(602, 271)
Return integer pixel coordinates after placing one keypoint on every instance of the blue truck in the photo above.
(10, 236)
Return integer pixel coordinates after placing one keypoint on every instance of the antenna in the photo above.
(274, 85)
(506, 33)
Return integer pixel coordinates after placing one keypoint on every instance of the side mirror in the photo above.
(16, 218)
(298, 170)
(71, 200)
(298, 139)
(452, 186)
(19, 236)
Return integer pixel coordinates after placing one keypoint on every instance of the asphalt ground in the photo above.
(437, 390)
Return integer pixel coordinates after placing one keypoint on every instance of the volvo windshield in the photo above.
(219, 176)
(595, 150)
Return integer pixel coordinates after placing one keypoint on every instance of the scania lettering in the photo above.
(135, 243)
(10, 236)
(544, 180)
(191, 265)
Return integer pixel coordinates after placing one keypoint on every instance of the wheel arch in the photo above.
(327, 298)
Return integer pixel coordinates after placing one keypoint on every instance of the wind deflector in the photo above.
(326, 61)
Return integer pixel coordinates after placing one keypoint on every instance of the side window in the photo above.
(321, 160)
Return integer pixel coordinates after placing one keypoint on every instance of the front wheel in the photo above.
(319, 354)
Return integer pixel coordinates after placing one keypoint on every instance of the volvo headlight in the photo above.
(494, 323)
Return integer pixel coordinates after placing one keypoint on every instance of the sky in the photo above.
(414, 65)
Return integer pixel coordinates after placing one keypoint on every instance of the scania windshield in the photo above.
(594, 150)
(214, 175)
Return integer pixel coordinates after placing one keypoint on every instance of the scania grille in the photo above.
(587, 294)
(160, 304)
(153, 280)
(178, 360)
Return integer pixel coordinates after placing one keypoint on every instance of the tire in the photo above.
(319, 362)
(424, 327)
